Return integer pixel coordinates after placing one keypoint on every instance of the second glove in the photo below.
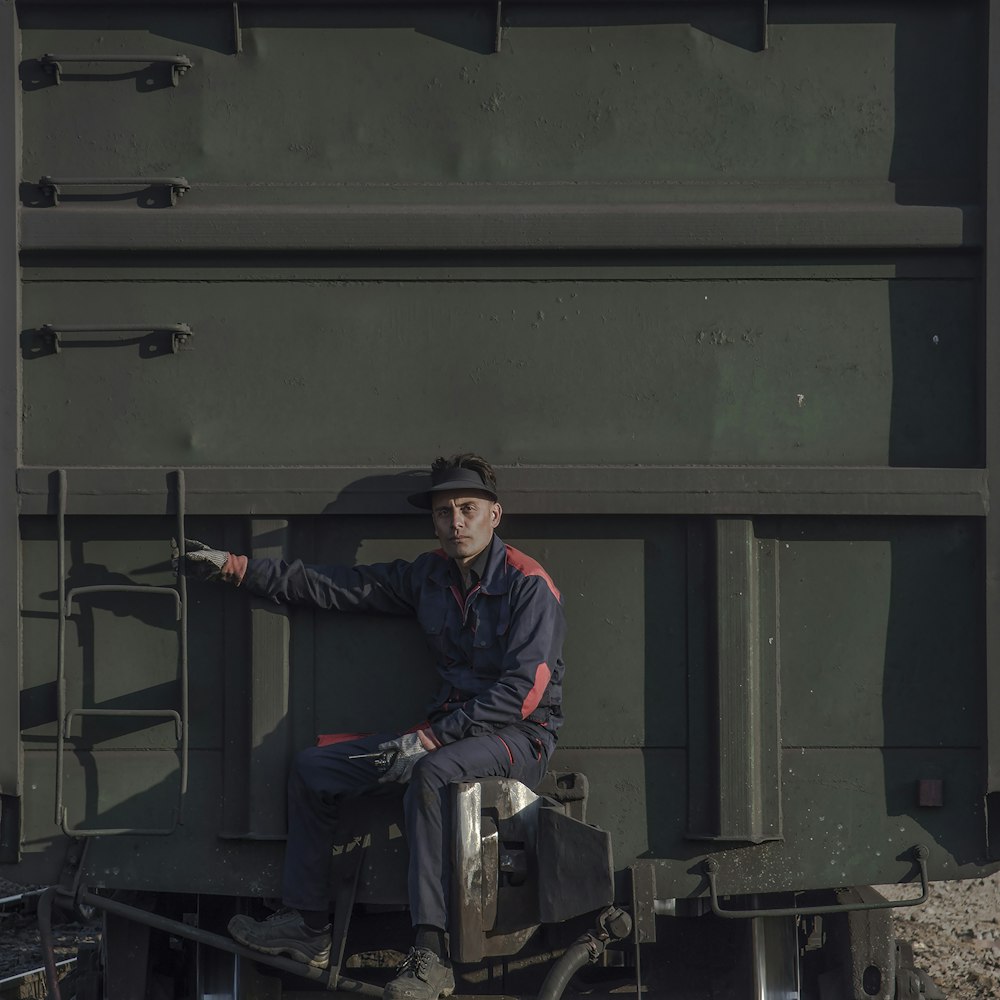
(401, 754)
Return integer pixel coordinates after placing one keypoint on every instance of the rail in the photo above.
(31, 982)
(329, 978)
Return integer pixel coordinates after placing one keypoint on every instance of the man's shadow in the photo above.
(353, 672)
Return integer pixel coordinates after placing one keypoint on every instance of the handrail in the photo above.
(119, 588)
(330, 978)
(52, 186)
(179, 718)
(711, 869)
(179, 64)
(180, 333)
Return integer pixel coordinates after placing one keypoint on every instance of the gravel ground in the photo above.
(955, 936)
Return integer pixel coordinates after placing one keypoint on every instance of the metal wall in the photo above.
(705, 280)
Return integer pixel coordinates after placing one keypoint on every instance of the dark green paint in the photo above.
(701, 372)
(873, 617)
(624, 581)
(733, 685)
(658, 274)
(855, 808)
(329, 95)
(538, 489)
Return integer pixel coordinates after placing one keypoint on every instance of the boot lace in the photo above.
(417, 962)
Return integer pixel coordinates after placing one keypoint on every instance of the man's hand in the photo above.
(199, 560)
(401, 754)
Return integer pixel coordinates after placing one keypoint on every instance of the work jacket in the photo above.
(499, 649)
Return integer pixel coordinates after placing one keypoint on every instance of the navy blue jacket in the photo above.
(499, 650)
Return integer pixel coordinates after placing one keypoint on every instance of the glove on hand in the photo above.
(400, 755)
(199, 560)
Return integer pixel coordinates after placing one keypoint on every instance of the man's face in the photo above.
(464, 523)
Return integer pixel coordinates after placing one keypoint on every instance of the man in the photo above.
(494, 619)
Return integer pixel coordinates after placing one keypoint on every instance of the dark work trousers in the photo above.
(322, 779)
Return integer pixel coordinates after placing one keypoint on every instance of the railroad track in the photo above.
(30, 985)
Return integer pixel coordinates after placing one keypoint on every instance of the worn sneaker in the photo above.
(283, 933)
(422, 976)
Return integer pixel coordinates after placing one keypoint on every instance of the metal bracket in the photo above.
(237, 29)
(643, 903)
(498, 32)
(711, 869)
(52, 186)
(343, 909)
(180, 337)
(179, 64)
(763, 25)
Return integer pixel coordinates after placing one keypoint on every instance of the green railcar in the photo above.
(707, 281)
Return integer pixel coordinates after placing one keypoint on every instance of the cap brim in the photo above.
(425, 500)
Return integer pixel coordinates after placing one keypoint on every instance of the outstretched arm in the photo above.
(382, 587)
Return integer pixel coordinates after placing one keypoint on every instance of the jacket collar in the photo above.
(494, 578)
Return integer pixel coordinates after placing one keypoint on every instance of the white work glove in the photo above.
(199, 560)
(401, 754)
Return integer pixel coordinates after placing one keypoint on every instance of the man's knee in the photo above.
(323, 771)
(305, 769)
(428, 781)
(428, 772)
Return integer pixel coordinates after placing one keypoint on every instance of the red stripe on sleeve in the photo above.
(526, 565)
(427, 733)
(534, 696)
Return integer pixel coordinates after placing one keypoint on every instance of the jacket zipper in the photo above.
(463, 602)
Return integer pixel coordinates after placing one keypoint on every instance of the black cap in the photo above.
(445, 480)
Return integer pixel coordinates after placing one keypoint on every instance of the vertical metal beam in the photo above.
(747, 685)
(738, 646)
(237, 28)
(991, 415)
(11, 764)
(734, 774)
(236, 687)
(702, 766)
(269, 678)
(182, 638)
(498, 29)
